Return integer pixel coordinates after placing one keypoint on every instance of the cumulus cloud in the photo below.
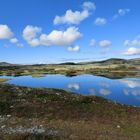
(30, 33)
(74, 49)
(5, 32)
(89, 5)
(132, 51)
(104, 43)
(61, 38)
(71, 17)
(34, 37)
(75, 17)
(100, 21)
(34, 42)
(14, 40)
(121, 12)
(92, 43)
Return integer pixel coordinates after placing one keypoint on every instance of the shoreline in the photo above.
(2, 80)
(112, 68)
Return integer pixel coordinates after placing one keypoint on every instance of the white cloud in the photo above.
(74, 49)
(89, 5)
(30, 33)
(104, 43)
(132, 51)
(92, 43)
(61, 38)
(14, 40)
(121, 12)
(100, 21)
(134, 42)
(55, 38)
(71, 17)
(75, 17)
(34, 42)
(5, 32)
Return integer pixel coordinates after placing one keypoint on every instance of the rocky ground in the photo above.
(50, 114)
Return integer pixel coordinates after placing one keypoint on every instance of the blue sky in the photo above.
(53, 31)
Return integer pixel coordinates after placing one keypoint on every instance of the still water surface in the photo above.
(125, 91)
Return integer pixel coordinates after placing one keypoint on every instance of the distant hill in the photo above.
(113, 61)
(118, 61)
(135, 61)
(8, 64)
(107, 62)
(5, 64)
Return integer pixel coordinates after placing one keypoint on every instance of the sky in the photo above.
(55, 31)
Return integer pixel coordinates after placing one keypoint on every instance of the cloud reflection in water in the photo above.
(75, 86)
(130, 83)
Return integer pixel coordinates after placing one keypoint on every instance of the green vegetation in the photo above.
(42, 114)
(3, 80)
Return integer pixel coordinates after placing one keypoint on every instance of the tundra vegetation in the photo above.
(27, 113)
(112, 68)
(43, 114)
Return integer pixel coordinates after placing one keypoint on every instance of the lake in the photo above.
(124, 91)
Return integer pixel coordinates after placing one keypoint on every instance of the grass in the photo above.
(3, 80)
(63, 115)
